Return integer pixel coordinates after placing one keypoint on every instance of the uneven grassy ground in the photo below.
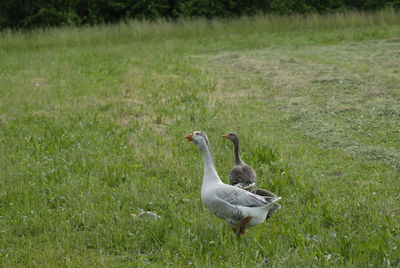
(91, 131)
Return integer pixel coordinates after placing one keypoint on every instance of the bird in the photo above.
(240, 208)
(243, 175)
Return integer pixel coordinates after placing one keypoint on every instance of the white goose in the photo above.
(237, 206)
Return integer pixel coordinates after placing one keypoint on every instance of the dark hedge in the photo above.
(28, 14)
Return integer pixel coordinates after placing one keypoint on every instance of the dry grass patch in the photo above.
(331, 93)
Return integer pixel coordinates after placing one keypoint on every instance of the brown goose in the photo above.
(244, 176)
(241, 175)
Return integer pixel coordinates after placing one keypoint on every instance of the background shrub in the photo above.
(17, 14)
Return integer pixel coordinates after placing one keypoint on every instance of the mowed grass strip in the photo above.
(91, 131)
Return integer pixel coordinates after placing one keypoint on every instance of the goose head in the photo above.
(231, 136)
(198, 138)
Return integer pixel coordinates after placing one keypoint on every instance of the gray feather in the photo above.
(242, 174)
(222, 209)
(240, 197)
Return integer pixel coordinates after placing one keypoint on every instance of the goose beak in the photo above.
(189, 137)
(225, 135)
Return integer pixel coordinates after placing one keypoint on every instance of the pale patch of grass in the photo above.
(328, 93)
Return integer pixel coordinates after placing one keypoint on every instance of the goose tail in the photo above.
(273, 204)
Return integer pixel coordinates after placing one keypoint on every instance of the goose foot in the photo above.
(242, 225)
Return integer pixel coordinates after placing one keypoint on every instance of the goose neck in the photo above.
(238, 160)
(210, 173)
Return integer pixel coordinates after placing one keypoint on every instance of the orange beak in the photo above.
(189, 137)
(225, 135)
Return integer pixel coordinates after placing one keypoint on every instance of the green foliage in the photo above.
(44, 14)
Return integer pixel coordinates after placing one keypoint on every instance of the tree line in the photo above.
(28, 14)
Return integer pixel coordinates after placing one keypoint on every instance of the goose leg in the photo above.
(242, 225)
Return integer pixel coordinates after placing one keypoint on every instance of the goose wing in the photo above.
(263, 192)
(239, 197)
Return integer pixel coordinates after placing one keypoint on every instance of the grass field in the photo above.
(91, 131)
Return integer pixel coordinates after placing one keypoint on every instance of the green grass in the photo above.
(91, 131)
